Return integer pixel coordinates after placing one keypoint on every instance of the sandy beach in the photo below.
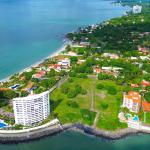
(58, 51)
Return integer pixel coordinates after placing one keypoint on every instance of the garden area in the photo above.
(79, 100)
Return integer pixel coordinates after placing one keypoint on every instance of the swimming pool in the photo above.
(2, 125)
(136, 118)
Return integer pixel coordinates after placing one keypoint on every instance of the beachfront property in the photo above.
(56, 67)
(84, 44)
(131, 120)
(137, 9)
(71, 53)
(39, 75)
(110, 55)
(31, 110)
(64, 63)
(132, 101)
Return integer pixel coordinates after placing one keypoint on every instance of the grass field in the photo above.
(96, 101)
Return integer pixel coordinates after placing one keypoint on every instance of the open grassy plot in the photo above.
(84, 107)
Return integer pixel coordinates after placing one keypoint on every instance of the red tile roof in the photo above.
(146, 106)
(134, 96)
(145, 83)
(134, 85)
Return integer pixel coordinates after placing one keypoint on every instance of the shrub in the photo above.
(111, 90)
(72, 94)
(64, 89)
(83, 92)
(100, 86)
(72, 74)
(82, 75)
(70, 80)
(103, 76)
(104, 105)
(78, 89)
(72, 104)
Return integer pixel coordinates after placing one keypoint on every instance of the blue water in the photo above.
(30, 30)
(75, 141)
(2, 125)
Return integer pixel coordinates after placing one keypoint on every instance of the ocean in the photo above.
(76, 141)
(30, 30)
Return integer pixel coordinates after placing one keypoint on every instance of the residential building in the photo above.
(146, 106)
(137, 9)
(31, 110)
(39, 75)
(97, 70)
(145, 83)
(132, 101)
(65, 63)
(56, 67)
(111, 55)
(134, 85)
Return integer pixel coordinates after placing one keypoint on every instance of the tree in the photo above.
(74, 59)
(100, 86)
(111, 90)
(147, 96)
(104, 105)
(9, 94)
(64, 89)
(104, 76)
(68, 48)
(72, 104)
(52, 73)
(72, 93)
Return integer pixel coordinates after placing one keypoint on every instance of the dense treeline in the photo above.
(124, 34)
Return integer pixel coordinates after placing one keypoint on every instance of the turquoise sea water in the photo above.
(30, 30)
(76, 141)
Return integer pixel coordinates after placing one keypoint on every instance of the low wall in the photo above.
(22, 136)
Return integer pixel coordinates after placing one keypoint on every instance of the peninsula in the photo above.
(99, 83)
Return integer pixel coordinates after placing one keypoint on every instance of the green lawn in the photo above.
(107, 105)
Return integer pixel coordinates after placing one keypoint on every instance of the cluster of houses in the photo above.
(107, 70)
(134, 102)
(62, 64)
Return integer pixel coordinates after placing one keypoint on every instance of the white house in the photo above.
(110, 55)
(137, 9)
(31, 110)
(132, 101)
(65, 63)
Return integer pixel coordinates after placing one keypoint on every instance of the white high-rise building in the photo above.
(32, 109)
(137, 9)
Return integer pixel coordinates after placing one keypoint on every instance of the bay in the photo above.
(30, 30)
(75, 141)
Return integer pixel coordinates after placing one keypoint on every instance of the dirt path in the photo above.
(96, 118)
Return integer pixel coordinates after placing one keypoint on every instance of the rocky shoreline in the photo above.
(53, 130)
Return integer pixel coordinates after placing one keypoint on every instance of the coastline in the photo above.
(59, 50)
(15, 138)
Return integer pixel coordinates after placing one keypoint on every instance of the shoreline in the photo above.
(15, 138)
(59, 50)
